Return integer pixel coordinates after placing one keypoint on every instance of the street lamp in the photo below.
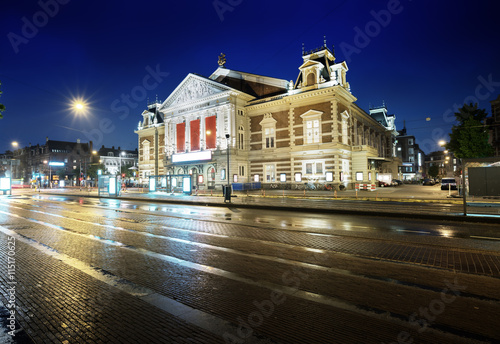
(120, 155)
(79, 106)
(14, 145)
(50, 172)
(228, 190)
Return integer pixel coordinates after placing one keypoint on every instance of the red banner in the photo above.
(181, 137)
(211, 132)
(195, 134)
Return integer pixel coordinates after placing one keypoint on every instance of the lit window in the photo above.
(359, 176)
(270, 171)
(268, 131)
(298, 177)
(329, 176)
(312, 126)
(269, 137)
(313, 167)
(309, 168)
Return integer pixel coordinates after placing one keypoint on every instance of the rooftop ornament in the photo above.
(222, 60)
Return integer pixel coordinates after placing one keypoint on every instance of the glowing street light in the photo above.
(80, 106)
(442, 143)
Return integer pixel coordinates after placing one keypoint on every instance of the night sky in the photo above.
(422, 58)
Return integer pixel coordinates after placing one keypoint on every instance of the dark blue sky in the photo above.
(421, 57)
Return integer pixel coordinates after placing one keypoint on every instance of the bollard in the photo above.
(335, 194)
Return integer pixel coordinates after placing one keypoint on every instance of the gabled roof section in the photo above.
(192, 88)
(307, 64)
(258, 86)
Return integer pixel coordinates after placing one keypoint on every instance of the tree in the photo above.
(93, 168)
(2, 107)
(433, 171)
(469, 139)
(126, 170)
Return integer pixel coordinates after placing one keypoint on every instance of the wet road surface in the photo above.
(91, 271)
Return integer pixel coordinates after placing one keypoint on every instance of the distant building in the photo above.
(8, 165)
(494, 126)
(448, 164)
(151, 137)
(52, 161)
(411, 155)
(114, 160)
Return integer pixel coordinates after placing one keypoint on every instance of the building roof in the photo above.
(67, 146)
(255, 85)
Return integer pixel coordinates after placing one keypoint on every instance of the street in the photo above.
(89, 270)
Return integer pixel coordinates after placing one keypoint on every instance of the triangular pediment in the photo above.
(193, 88)
(309, 64)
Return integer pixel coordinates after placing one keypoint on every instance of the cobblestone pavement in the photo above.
(387, 202)
(111, 271)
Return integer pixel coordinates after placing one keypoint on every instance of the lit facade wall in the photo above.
(296, 133)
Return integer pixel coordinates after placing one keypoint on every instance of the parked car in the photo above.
(428, 181)
(448, 183)
(382, 184)
(397, 182)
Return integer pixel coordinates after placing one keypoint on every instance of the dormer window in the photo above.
(311, 79)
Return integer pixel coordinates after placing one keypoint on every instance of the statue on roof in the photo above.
(222, 60)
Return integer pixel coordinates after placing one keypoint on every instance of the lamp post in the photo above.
(14, 145)
(463, 191)
(50, 172)
(227, 196)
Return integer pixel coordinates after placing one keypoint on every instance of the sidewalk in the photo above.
(432, 204)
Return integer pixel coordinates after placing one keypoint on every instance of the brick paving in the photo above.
(56, 302)
(60, 303)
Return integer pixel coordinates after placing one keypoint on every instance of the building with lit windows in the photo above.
(52, 161)
(151, 136)
(275, 131)
(115, 161)
(412, 157)
(447, 163)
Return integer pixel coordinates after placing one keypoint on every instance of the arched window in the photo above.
(311, 79)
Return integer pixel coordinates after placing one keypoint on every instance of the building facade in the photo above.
(151, 143)
(273, 131)
(412, 157)
(115, 160)
(52, 161)
(447, 163)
